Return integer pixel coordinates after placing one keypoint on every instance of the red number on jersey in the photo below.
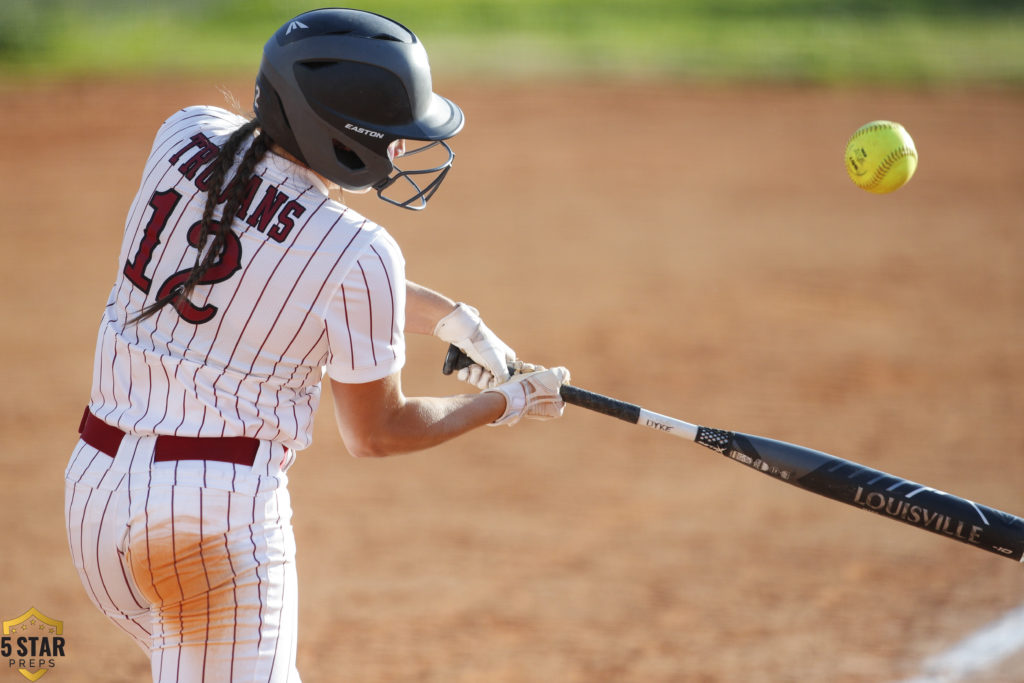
(163, 204)
(227, 263)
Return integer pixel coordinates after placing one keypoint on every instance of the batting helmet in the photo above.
(337, 87)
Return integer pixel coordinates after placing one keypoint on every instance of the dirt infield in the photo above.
(696, 250)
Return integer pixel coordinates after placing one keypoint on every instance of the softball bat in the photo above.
(842, 480)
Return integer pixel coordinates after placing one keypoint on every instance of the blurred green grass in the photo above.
(927, 42)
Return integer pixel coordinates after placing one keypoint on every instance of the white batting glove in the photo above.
(532, 395)
(481, 378)
(464, 328)
(477, 376)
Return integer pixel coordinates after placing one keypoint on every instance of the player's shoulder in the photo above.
(205, 117)
(344, 221)
(347, 229)
(210, 121)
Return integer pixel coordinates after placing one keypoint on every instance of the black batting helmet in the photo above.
(338, 86)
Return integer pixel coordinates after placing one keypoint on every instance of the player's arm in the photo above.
(424, 308)
(376, 419)
(430, 312)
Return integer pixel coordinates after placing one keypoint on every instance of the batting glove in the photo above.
(464, 328)
(481, 378)
(532, 395)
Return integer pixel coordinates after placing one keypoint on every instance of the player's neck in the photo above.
(332, 187)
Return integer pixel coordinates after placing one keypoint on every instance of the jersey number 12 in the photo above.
(227, 263)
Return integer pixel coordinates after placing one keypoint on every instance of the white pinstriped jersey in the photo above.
(305, 284)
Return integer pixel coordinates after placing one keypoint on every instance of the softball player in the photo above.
(240, 284)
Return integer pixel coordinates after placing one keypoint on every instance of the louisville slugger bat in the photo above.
(842, 480)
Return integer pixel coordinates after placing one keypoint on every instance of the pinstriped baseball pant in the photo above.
(194, 559)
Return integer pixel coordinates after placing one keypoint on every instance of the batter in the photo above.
(241, 282)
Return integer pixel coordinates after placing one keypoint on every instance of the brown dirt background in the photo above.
(697, 250)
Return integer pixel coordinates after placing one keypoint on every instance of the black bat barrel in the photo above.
(884, 494)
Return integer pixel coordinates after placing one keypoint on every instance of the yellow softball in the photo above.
(881, 157)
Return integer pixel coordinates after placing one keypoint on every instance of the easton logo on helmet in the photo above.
(364, 131)
(294, 26)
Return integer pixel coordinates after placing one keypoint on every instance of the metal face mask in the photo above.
(410, 187)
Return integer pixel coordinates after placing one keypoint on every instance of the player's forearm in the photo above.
(424, 307)
(422, 422)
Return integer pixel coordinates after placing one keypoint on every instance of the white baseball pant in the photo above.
(194, 559)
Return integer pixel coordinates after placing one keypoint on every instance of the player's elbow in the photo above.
(372, 445)
(365, 453)
(368, 447)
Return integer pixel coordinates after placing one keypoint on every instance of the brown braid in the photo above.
(235, 194)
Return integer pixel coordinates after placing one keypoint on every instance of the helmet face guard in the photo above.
(338, 87)
(390, 189)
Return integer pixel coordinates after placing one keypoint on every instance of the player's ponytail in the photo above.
(235, 195)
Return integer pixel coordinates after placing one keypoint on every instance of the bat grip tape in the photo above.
(600, 403)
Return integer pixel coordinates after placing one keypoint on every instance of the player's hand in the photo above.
(464, 328)
(534, 395)
(481, 377)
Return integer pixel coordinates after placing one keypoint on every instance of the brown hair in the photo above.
(235, 194)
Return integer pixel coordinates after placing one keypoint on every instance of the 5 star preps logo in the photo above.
(32, 643)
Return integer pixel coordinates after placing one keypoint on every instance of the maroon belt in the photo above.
(240, 450)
